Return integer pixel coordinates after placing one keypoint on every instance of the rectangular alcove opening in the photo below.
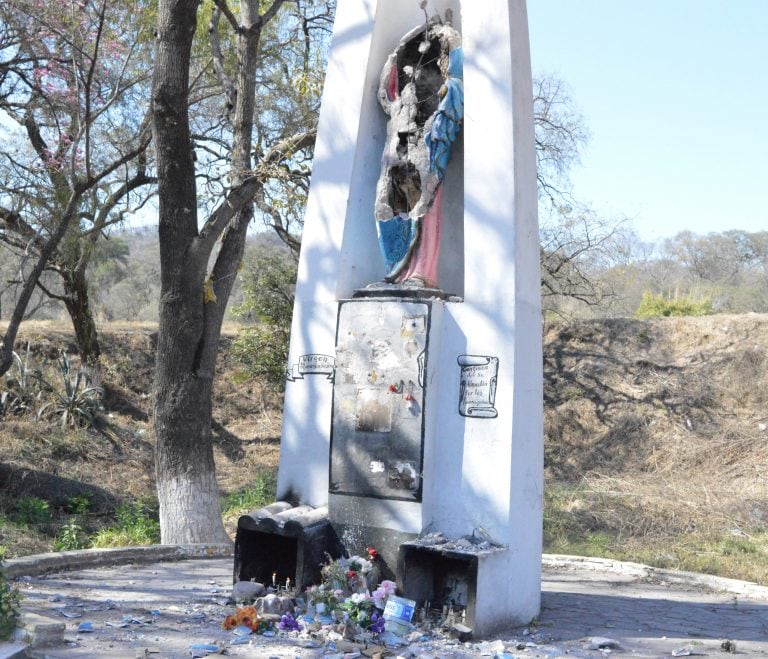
(259, 555)
(445, 578)
(362, 263)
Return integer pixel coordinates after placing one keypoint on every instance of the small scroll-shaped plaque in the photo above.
(477, 390)
(313, 364)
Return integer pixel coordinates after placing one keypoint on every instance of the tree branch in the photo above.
(223, 7)
(218, 59)
(270, 13)
(242, 194)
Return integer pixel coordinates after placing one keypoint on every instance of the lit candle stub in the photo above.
(288, 583)
(274, 579)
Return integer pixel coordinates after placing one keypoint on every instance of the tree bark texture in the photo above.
(186, 481)
(78, 305)
(192, 299)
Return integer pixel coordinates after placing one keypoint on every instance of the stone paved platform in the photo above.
(168, 607)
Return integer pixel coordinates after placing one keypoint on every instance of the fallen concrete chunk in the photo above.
(247, 591)
(490, 648)
(600, 643)
(38, 630)
(460, 632)
(686, 651)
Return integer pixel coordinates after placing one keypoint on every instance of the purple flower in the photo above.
(377, 623)
(288, 623)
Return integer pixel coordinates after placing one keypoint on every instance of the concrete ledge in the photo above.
(13, 650)
(86, 558)
(719, 584)
(38, 630)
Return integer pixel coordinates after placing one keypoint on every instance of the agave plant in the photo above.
(18, 396)
(78, 402)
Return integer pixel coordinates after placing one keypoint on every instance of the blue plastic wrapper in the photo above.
(203, 649)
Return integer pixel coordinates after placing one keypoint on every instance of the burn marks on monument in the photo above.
(378, 399)
(373, 412)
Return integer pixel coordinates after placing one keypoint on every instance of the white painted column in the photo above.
(479, 473)
(307, 412)
(499, 461)
(339, 250)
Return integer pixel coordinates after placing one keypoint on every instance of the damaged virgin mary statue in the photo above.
(421, 90)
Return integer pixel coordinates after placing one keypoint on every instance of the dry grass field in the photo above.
(655, 446)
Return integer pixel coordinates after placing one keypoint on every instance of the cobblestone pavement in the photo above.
(649, 616)
(160, 610)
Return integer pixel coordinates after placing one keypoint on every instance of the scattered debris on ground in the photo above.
(179, 609)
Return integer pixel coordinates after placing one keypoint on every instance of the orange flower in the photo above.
(245, 616)
(230, 622)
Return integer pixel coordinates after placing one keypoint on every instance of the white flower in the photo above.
(360, 564)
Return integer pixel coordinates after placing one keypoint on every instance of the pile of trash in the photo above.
(350, 611)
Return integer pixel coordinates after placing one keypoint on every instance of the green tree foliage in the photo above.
(730, 269)
(269, 283)
(656, 306)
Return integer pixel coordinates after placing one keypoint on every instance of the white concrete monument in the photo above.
(414, 408)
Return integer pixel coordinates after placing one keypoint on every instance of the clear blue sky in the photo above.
(675, 95)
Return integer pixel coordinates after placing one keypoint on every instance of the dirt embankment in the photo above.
(114, 462)
(653, 427)
(663, 422)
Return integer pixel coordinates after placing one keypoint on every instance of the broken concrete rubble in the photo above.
(247, 591)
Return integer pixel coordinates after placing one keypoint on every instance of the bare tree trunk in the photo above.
(190, 317)
(186, 480)
(48, 248)
(77, 302)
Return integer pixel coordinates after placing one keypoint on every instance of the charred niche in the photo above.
(281, 541)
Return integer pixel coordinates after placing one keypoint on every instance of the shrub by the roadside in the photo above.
(10, 601)
(135, 525)
(656, 306)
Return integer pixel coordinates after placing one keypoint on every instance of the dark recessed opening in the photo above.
(442, 579)
(260, 555)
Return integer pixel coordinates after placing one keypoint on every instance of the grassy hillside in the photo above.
(656, 441)
(655, 445)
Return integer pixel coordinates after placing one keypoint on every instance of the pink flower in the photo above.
(385, 589)
(389, 587)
